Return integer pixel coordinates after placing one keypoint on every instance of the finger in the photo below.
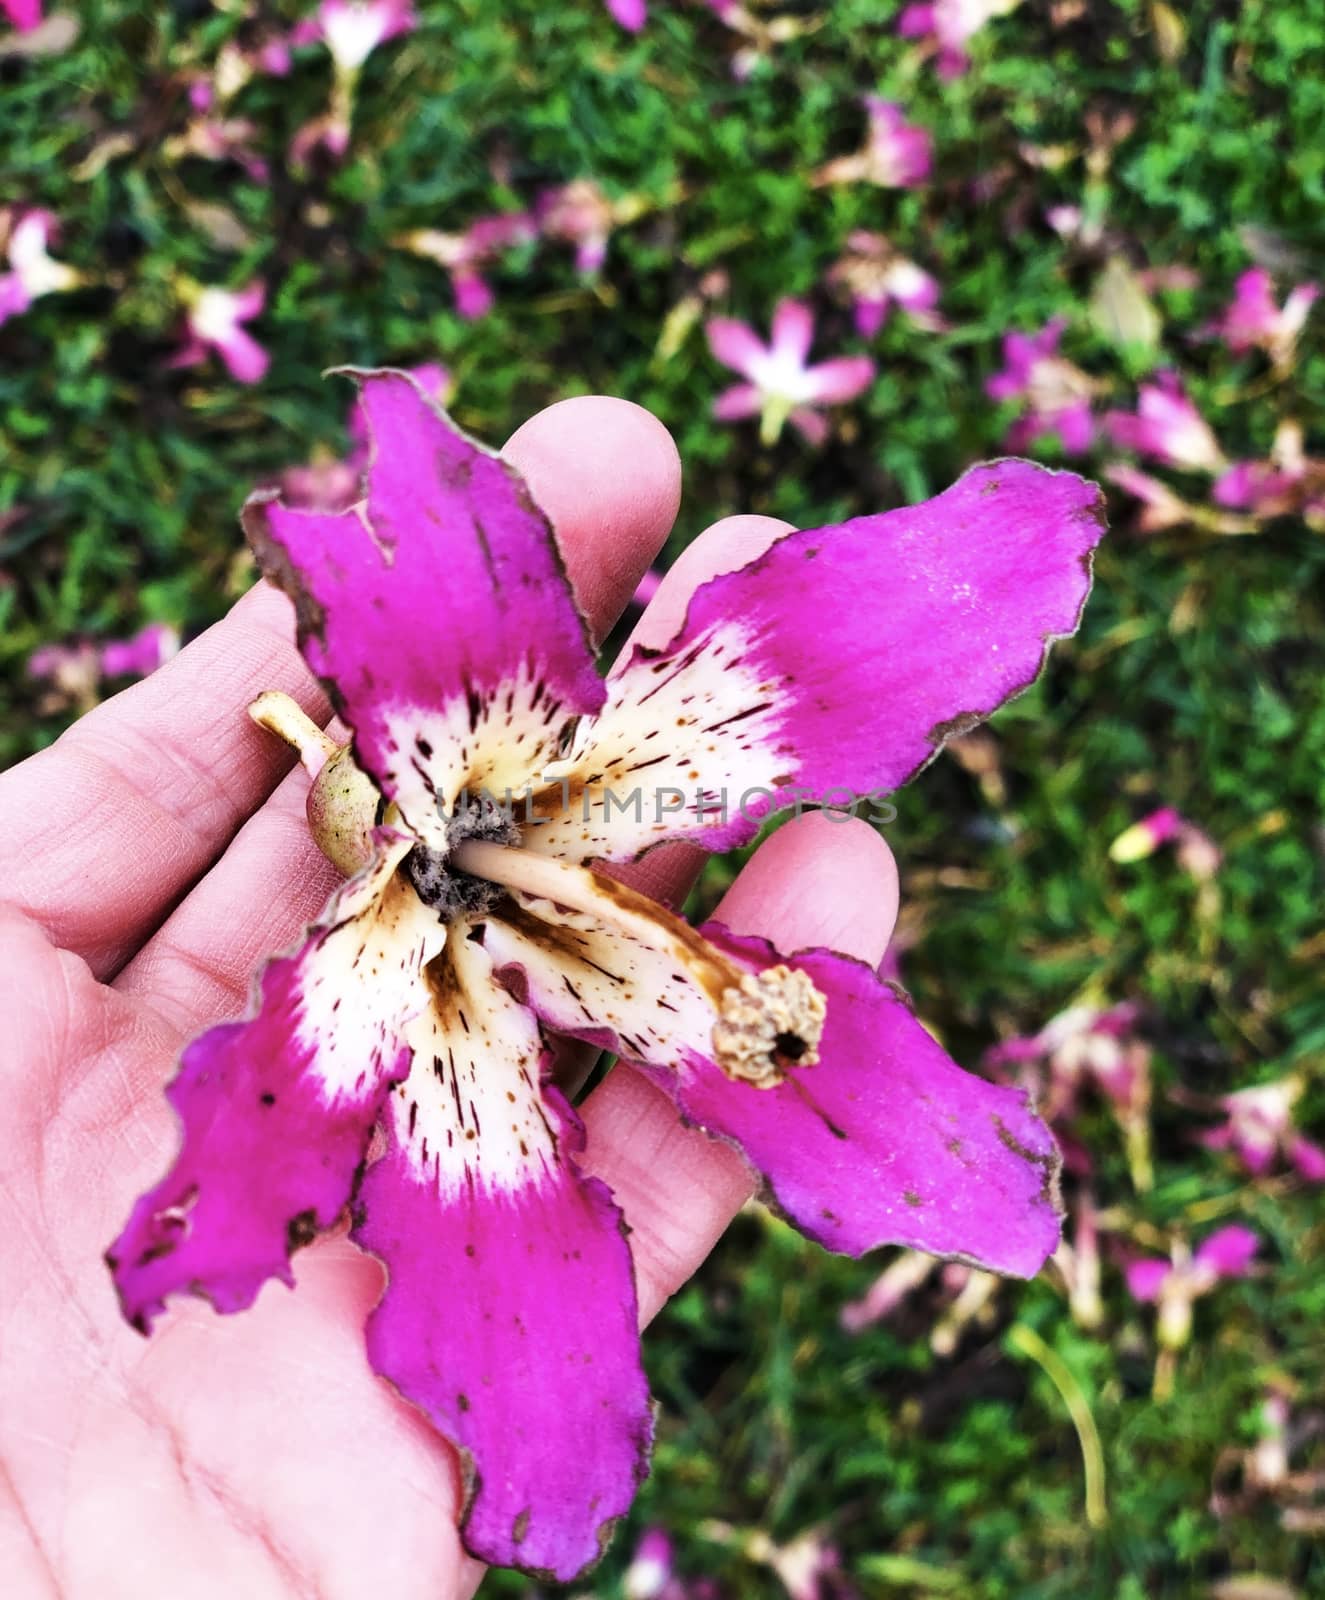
(608, 475)
(813, 882)
(104, 830)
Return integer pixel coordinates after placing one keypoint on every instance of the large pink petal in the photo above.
(735, 344)
(840, 659)
(438, 613)
(277, 1111)
(841, 379)
(509, 1317)
(793, 331)
(883, 1140)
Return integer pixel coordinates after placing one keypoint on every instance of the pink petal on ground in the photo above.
(244, 357)
(1308, 1158)
(1228, 1251)
(741, 400)
(1146, 1278)
(735, 344)
(793, 331)
(24, 14)
(277, 1111)
(631, 14)
(509, 1316)
(841, 658)
(473, 297)
(448, 546)
(840, 380)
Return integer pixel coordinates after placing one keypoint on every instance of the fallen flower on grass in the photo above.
(24, 14)
(896, 154)
(780, 385)
(414, 1013)
(1259, 1128)
(1083, 1047)
(1254, 322)
(26, 237)
(76, 671)
(947, 26)
(215, 321)
(1056, 395)
(1196, 851)
(1166, 426)
(1173, 1287)
(875, 277)
(467, 255)
(351, 31)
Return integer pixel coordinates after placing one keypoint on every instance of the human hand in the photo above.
(151, 859)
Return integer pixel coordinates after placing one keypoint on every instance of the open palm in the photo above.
(148, 862)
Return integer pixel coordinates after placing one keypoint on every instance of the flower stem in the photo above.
(282, 716)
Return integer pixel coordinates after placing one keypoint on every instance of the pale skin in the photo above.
(148, 861)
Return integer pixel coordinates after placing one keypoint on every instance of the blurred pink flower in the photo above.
(578, 213)
(1173, 1285)
(1085, 1047)
(875, 276)
(780, 386)
(651, 1574)
(215, 319)
(631, 14)
(1259, 1126)
(946, 25)
(26, 236)
(220, 139)
(1168, 427)
(75, 670)
(895, 155)
(903, 1275)
(1055, 394)
(1254, 321)
(24, 14)
(1197, 853)
(1290, 483)
(466, 255)
(353, 29)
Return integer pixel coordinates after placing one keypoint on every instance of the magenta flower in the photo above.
(1081, 1048)
(1253, 320)
(214, 138)
(1196, 851)
(875, 277)
(77, 670)
(351, 31)
(417, 1004)
(1173, 1285)
(580, 214)
(1056, 395)
(631, 14)
(27, 236)
(780, 387)
(1290, 483)
(651, 1574)
(1260, 1126)
(895, 155)
(947, 25)
(24, 14)
(215, 319)
(467, 255)
(1168, 427)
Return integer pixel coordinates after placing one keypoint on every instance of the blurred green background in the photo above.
(1186, 138)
